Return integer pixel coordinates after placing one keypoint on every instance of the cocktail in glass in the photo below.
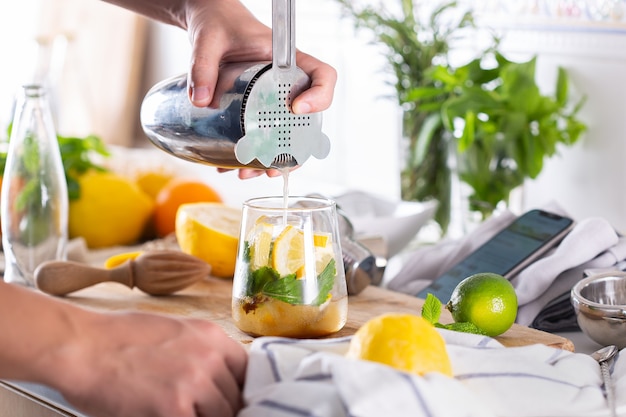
(289, 278)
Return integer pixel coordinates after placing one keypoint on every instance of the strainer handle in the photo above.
(283, 34)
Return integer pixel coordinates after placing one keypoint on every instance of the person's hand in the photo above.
(225, 31)
(245, 173)
(148, 365)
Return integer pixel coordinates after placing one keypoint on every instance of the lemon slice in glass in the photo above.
(322, 243)
(260, 243)
(288, 253)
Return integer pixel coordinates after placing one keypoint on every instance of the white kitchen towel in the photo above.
(566, 278)
(289, 378)
(588, 239)
(592, 243)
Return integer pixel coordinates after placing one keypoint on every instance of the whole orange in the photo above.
(176, 192)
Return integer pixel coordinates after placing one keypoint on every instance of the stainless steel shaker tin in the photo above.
(205, 135)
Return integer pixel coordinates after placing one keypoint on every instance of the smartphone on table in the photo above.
(512, 249)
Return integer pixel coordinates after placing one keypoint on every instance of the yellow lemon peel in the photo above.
(210, 231)
(406, 342)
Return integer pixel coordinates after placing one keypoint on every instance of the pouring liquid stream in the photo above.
(285, 174)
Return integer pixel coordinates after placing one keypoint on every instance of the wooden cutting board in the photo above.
(211, 298)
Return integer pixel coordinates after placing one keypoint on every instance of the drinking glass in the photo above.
(289, 276)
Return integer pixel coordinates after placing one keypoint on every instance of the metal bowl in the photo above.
(600, 305)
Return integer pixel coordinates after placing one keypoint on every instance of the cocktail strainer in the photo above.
(274, 135)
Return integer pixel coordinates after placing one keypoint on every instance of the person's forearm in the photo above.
(126, 364)
(37, 334)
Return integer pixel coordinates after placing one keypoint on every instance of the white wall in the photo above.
(587, 179)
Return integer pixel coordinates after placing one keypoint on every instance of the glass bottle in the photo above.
(34, 201)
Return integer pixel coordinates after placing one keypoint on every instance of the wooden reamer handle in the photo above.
(64, 277)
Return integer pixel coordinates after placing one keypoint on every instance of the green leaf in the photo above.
(478, 75)
(519, 88)
(30, 158)
(27, 195)
(473, 99)
(422, 93)
(325, 282)
(77, 155)
(260, 278)
(430, 126)
(73, 188)
(501, 60)
(434, 107)
(287, 289)
(431, 310)
(266, 281)
(468, 135)
(443, 75)
(464, 327)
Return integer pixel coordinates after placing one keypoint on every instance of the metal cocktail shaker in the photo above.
(205, 135)
(259, 121)
(250, 122)
(362, 267)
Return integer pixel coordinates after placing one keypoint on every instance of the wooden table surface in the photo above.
(211, 299)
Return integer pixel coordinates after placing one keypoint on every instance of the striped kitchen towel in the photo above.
(294, 378)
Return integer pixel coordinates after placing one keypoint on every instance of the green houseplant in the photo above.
(489, 113)
(413, 46)
(504, 127)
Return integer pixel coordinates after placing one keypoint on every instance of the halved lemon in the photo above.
(404, 341)
(210, 231)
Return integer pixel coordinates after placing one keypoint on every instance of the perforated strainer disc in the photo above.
(272, 133)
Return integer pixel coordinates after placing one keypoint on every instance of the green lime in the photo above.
(487, 300)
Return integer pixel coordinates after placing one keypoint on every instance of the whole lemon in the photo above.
(110, 211)
(487, 300)
(404, 341)
(210, 231)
